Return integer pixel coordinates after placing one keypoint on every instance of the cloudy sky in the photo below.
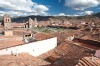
(49, 7)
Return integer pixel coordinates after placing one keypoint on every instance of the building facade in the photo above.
(7, 22)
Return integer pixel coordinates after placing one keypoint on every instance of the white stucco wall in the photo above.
(34, 48)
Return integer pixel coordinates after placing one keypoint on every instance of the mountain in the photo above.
(97, 15)
(44, 18)
(24, 19)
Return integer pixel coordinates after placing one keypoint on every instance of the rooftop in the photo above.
(66, 54)
(22, 59)
(9, 41)
(18, 24)
(89, 61)
(41, 36)
(87, 43)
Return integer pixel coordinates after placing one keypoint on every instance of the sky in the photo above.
(49, 7)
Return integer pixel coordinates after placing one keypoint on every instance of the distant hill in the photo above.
(24, 19)
(97, 15)
(43, 18)
(39, 18)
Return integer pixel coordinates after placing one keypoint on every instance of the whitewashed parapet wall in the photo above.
(34, 48)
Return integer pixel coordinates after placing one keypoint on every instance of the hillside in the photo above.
(97, 15)
(24, 19)
(44, 18)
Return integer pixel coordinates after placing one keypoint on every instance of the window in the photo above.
(8, 20)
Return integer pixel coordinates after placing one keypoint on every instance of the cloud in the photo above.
(22, 7)
(41, 9)
(86, 13)
(81, 4)
(77, 14)
(61, 14)
(73, 15)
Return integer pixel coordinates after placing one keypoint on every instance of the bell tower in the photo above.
(30, 23)
(7, 21)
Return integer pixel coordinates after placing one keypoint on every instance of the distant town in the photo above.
(54, 41)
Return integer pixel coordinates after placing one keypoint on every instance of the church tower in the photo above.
(7, 21)
(35, 22)
(30, 23)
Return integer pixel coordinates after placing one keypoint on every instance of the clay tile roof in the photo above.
(70, 34)
(86, 37)
(23, 31)
(89, 61)
(6, 44)
(41, 36)
(9, 41)
(18, 24)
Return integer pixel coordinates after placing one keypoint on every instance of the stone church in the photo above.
(31, 23)
(7, 22)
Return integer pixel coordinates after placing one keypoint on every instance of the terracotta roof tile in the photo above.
(89, 61)
(18, 24)
(22, 59)
(41, 36)
(8, 41)
(6, 44)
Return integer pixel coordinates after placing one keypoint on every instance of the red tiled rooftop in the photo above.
(68, 54)
(89, 61)
(87, 43)
(41, 36)
(9, 41)
(18, 24)
(23, 31)
(61, 36)
(8, 36)
(22, 59)
(6, 44)
(86, 37)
